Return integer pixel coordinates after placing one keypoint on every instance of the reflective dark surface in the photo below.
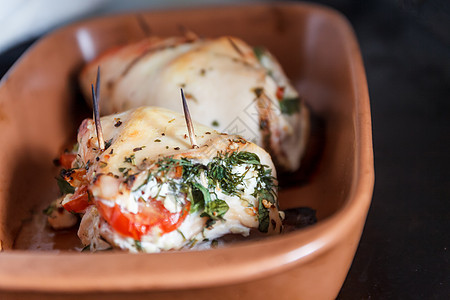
(403, 252)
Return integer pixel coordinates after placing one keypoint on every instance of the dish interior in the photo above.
(41, 108)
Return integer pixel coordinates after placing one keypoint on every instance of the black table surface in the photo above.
(403, 253)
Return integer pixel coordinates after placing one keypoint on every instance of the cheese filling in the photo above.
(225, 196)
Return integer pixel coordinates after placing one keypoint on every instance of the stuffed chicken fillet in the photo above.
(236, 89)
(148, 190)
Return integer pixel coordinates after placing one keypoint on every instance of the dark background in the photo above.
(405, 45)
(404, 252)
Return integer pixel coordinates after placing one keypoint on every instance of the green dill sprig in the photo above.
(290, 106)
(220, 170)
(138, 245)
(259, 52)
(218, 173)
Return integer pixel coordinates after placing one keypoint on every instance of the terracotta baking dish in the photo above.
(39, 113)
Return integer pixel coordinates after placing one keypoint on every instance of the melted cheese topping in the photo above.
(220, 78)
(137, 141)
(144, 133)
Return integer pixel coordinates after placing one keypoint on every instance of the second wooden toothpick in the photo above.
(95, 100)
(189, 122)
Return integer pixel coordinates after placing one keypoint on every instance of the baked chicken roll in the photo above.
(148, 190)
(236, 89)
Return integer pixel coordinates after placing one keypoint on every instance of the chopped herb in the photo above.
(108, 143)
(88, 165)
(130, 159)
(138, 245)
(167, 147)
(124, 171)
(290, 106)
(117, 122)
(259, 52)
(64, 186)
(221, 170)
(102, 164)
(244, 157)
(240, 140)
(263, 212)
(215, 209)
(49, 210)
(198, 197)
(192, 243)
(207, 132)
(176, 148)
(157, 141)
(138, 149)
(202, 72)
(263, 218)
(75, 148)
(215, 123)
(181, 233)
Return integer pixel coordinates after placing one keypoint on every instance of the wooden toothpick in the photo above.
(189, 123)
(95, 100)
(188, 34)
(235, 47)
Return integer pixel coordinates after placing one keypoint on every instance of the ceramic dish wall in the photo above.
(40, 111)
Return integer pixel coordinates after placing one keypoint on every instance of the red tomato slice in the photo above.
(151, 214)
(280, 92)
(78, 202)
(66, 160)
